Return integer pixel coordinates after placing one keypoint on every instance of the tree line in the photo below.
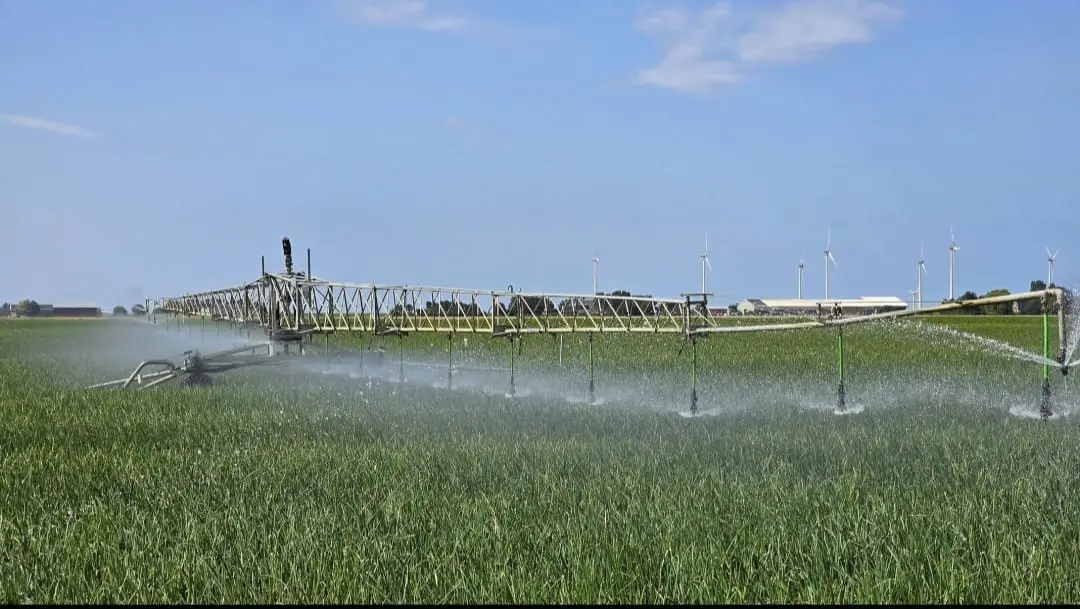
(31, 308)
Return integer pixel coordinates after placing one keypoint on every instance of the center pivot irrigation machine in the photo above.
(292, 307)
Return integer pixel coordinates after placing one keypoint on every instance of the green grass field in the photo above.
(295, 486)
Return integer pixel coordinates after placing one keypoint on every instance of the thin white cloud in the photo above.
(413, 14)
(685, 66)
(33, 122)
(801, 30)
(707, 50)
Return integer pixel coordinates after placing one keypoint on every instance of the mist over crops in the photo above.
(324, 479)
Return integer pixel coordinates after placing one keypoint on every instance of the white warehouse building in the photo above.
(864, 305)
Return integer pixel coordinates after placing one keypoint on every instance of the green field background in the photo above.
(268, 489)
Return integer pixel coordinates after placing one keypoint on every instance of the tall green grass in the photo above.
(265, 490)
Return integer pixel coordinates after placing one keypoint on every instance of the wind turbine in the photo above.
(914, 297)
(953, 248)
(705, 263)
(1050, 260)
(922, 271)
(828, 258)
(802, 264)
(595, 262)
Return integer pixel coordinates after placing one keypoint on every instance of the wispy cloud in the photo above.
(686, 65)
(414, 14)
(716, 46)
(33, 122)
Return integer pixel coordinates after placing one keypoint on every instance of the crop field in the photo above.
(327, 481)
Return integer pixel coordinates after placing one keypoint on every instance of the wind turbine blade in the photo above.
(833, 260)
(708, 264)
(1055, 254)
(952, 236)
(828, 237)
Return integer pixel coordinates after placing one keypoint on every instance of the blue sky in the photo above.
(159, 148)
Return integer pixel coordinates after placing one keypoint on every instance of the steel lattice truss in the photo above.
(294, 302)
(301, 303)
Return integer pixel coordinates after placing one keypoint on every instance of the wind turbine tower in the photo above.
(953, 248)
(704, 264)
(1050, 260)
(802, 264)
(922, 271)
(828, 258)
(595, 263)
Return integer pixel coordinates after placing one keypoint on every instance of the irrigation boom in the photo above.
(294, 306)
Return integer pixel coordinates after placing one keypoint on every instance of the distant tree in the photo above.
(119, 310)
(27, 308)
(5, 310)
(138, 309)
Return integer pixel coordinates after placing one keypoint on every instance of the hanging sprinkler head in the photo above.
(1044, 401)
(841, 393)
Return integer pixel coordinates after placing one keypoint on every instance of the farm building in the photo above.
(76, 310)
(793, 306)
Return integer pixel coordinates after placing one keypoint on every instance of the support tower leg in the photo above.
(1045, 409)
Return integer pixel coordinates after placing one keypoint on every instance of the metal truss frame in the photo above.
(280, 301)
(292, 302)
(294, 305)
